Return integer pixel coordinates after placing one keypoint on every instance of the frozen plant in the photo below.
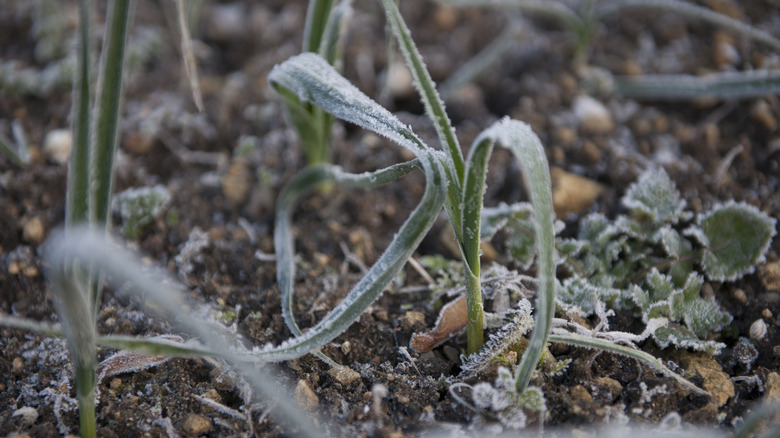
(140, 207)
(655, 259)
(455, 183)
(325, 24)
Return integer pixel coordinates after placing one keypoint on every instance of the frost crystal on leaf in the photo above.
(655, 196)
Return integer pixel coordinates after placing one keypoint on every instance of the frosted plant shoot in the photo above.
(453, 182)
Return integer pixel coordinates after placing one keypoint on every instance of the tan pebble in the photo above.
(739, 295)
(321, 259)
(716, 382)
(711, 136)
(305, 396)
(572, 193)
(115, 383)
(766, 313)
(346, 347)
(614, 387)
(17, 365)
(592, 152)
(762, 113)
(593, 116)
(410, 318)
(403, 399)
(632, 68)
(196, 424)
(237, 181)
(758, 330)
(558, 155)
(565, 136)
(489, 253)
(770, 275)
(772, 388)
(724, 53)
(661, 124)
(137, 143)
(57, 144)
(579, 393)
(344, 375)
(33, 230)
(445, 17)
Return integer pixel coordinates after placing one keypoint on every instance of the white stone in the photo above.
(57, 144)
(592, 115)
(758, 330)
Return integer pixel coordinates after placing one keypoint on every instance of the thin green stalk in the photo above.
(472, 200)
(107, 106)
(77, 204)
(432, 102)
(316, 22)
(730, 85)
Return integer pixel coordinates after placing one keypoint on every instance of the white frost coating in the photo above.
(312, 79)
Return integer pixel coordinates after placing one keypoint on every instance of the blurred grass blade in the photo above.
(601, 344)
(28, 324)
(19, 155)
(689, 10)
(730, 85)
(549, 8)
(527, 148)
(107, 106)
(331, 46)
(77, 202)
(190, 66)
(317, 17)
(434, 107)
(71, 298)
(123, 269)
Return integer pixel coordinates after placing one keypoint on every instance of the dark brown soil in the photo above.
(166, 141)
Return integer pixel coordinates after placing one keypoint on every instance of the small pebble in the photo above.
(305, 396)
(17, 365)
(196, 424)
(28, 415)
(593, 116)
(572, 193)
(399, 80)
(762, 113)
(115, 383)
(411, 318)
(770, 275)
(33, 230)
(57, 144)
(739, 295)
(237, 182)
(766, 313)
(346, 347)
(758, 330)
(725, 54)
(344, 375)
